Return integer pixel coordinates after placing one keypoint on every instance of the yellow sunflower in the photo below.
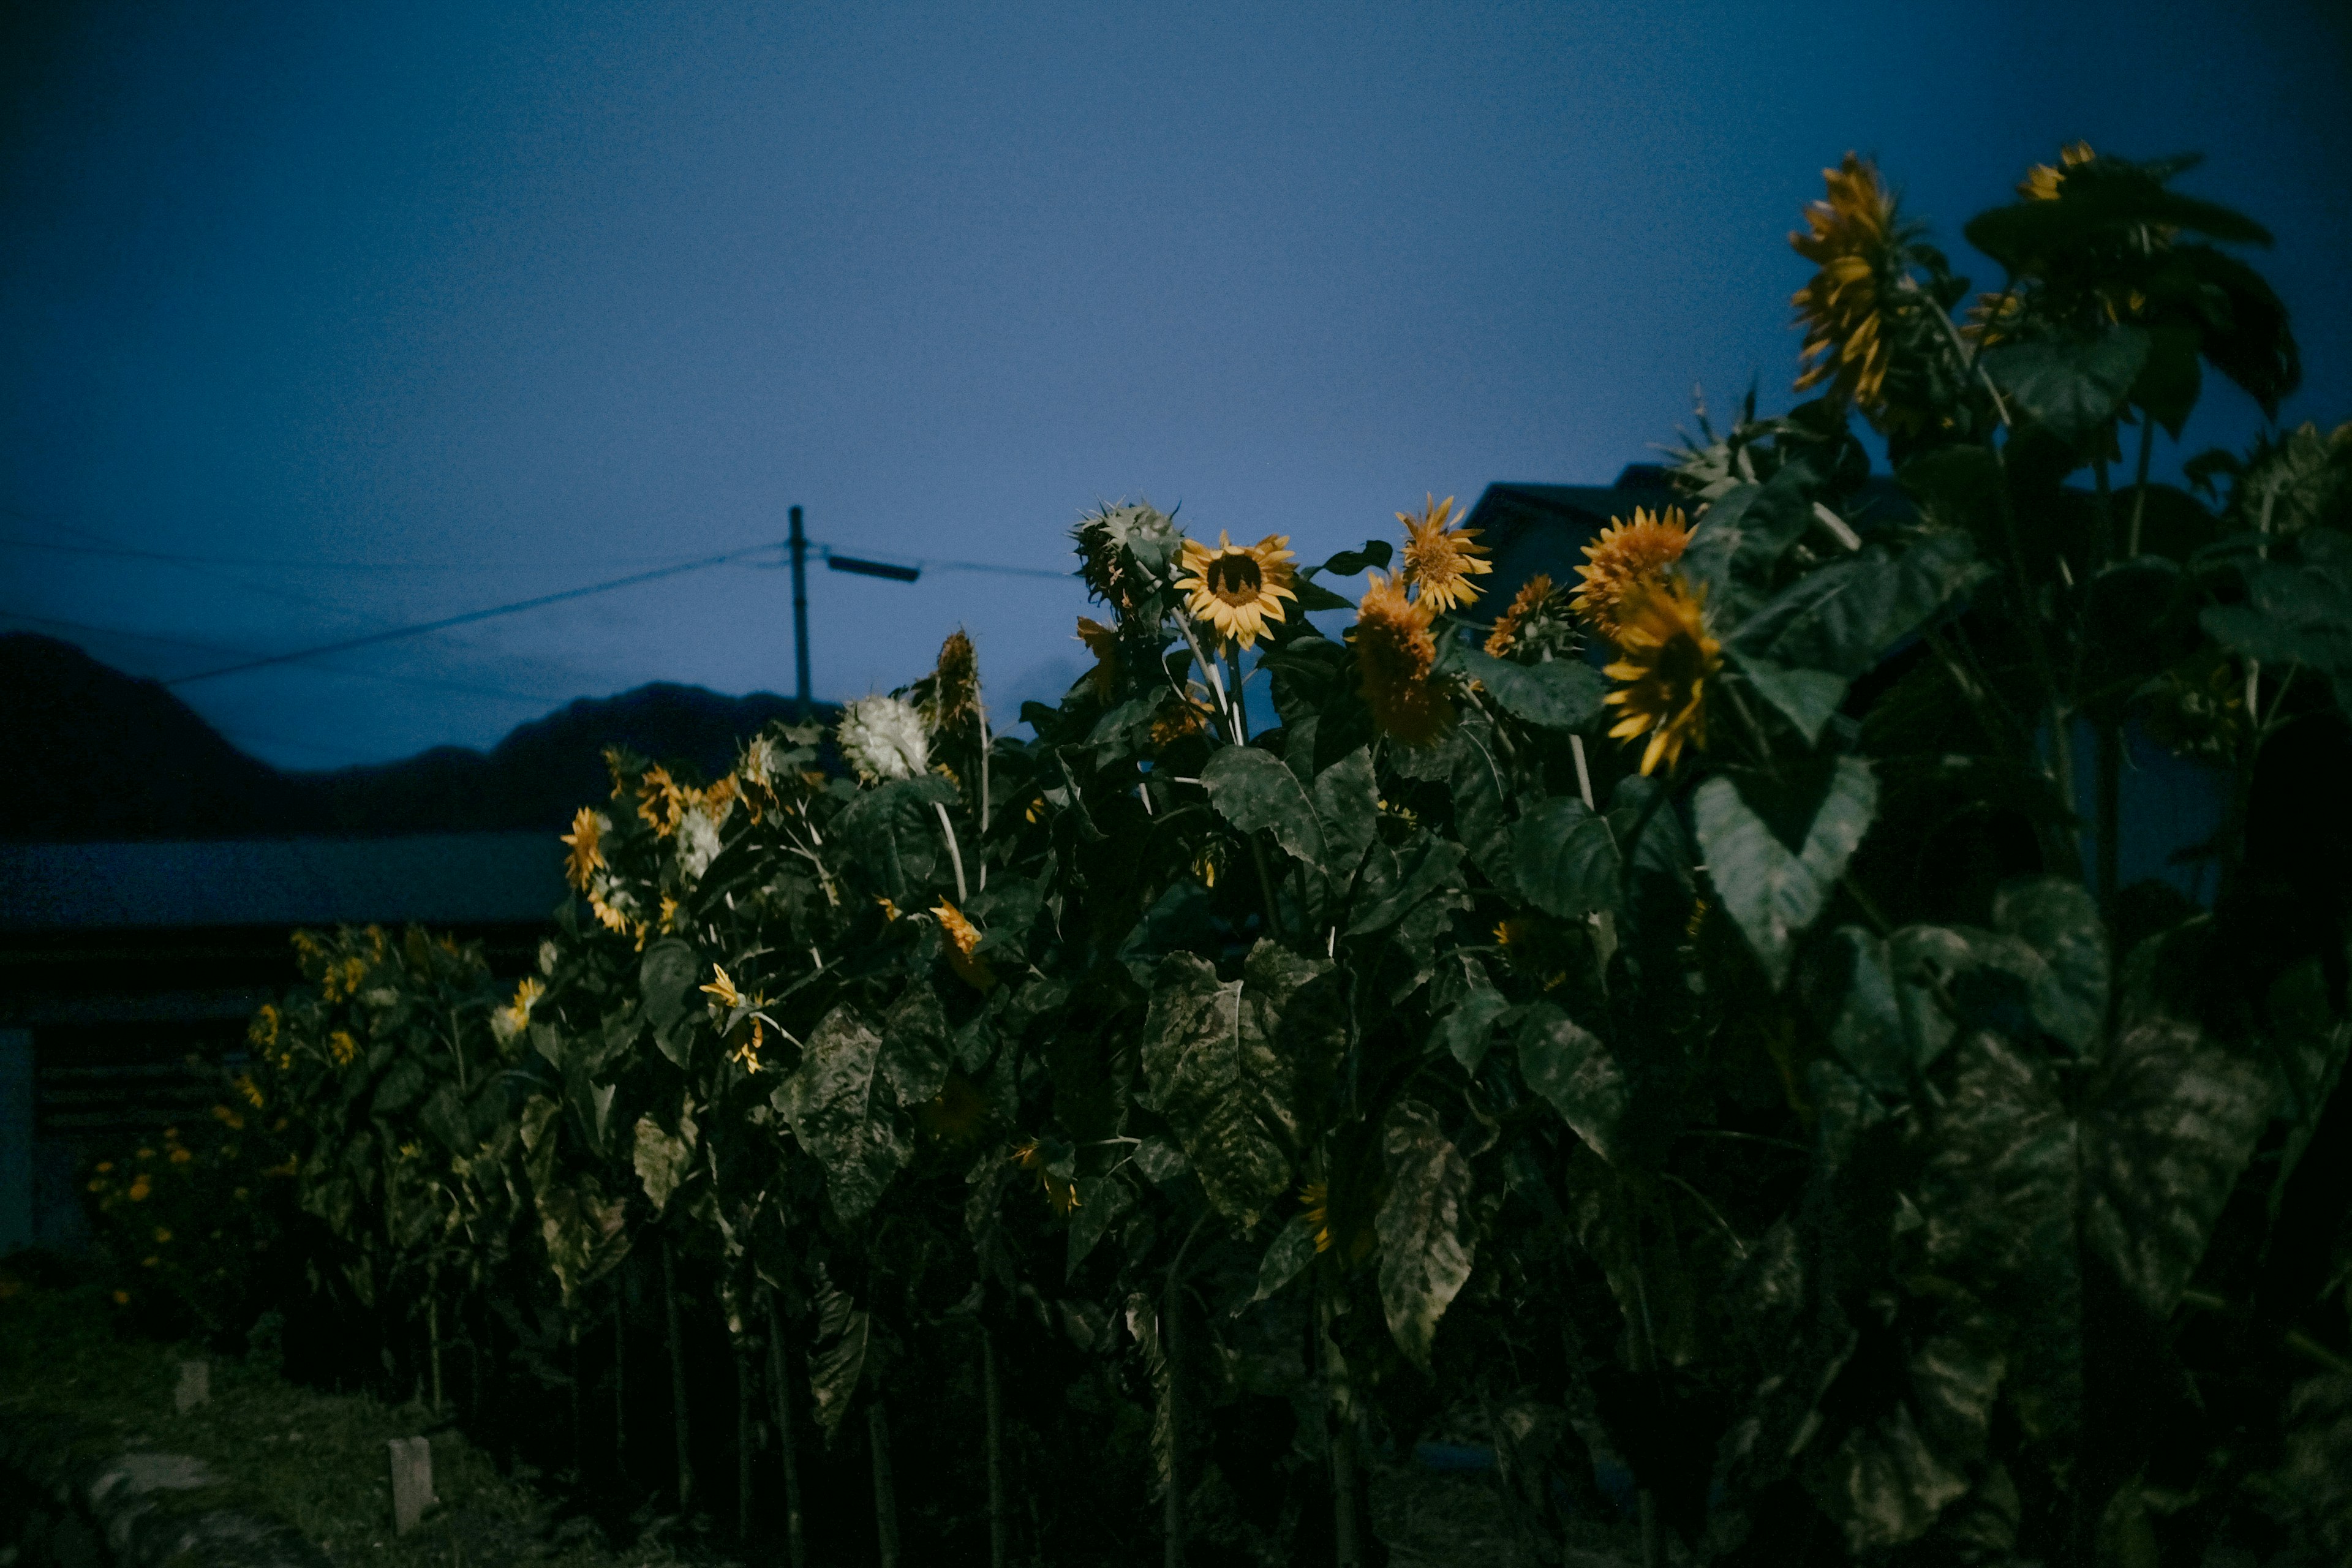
(1315, 1199)
(1627, 556)
(660, 801)
(2043, 180)
(1394, 653)
(1532, 596)
(723, 989)
(1841, 311)
(587, 841)
(1667, 659)
(1102, 641)
(1237, 588)
(1439, 561)
(963, 939)
(345, 1049)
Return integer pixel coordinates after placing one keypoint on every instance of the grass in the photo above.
(318, 1461)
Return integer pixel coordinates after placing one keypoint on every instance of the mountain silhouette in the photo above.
(98, 754)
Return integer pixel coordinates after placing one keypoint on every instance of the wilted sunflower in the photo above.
(1394, 653)
(587, 841)
(1102, 641)
(513, 1018)
(660, 801)
(883, 738)
(1121, 549)
(955, 685)
(1237, 588)
(1439, 561)
(723, 990)
(1666, 659)
(1627, 556)
(2043, 180)
(1532, 596)
(1842, 310)
(963, 939)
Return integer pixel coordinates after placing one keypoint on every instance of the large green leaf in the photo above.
(1558, 695)
(1776, 846)
(1286, 1257)
(1568, 1066)
(1740, 539)
(1565, 858)
(1346, 802)
(2058, 921)
(914, 1058)
(1466, 1006)
(1481, 791)
(583, 1233)
(1426, 1256)
(1224, 1063)
(843, 1110)
(1394, 886)
(662, 1160)
(1838, 619)
(2072, 386)
(893, 831)
(1252, 790)
(1806, 698)
(837, 1360)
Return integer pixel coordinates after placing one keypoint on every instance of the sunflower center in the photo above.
(1235, 579)
(1681, 666)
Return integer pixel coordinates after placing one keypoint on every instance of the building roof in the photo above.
(441, 880)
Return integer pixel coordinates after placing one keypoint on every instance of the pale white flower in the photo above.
(698, 843)
(883, 738)
(759, 764)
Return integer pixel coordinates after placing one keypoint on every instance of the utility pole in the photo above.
(800, 613)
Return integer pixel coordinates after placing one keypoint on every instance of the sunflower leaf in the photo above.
(1806, 698)
(1425, 1257)
(1292, 1250)
(1776, 846)
(1568, 1066)
(2071, 387)
(838, 1102)
(1562, 694)
(1466, 1005)
(837, 1360)
(1252, 790)
(1565, 859)
(1842, 617)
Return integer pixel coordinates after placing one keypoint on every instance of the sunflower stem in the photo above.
(955, 856)
(683, 1433)
(1209, 667)
(2139, 477)
(886, 1488)
(787, 1441)
(1583, 773)
(1241, 709)
(999, 1523)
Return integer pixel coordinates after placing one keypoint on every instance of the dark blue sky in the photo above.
(382, 313)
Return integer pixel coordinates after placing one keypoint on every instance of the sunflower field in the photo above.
(1685, 1025)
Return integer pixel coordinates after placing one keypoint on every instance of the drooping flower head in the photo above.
(1532, 596)
(660, 801)
(1315, 1198)
(1102, 641)
(1394, 655)
(2041, 182)
(962, 941)
(1237, 588)
(955, 686)
(512, 1019)
(1627, 556)
(587, 841)
(883, 738)
(1853, 243)
(1440, 560)
(1666, 658)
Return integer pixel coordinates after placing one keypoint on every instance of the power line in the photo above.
(470, 616)
(284, 563)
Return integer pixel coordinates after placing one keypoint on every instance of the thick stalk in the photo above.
(1000, 1540)
(620, 1382)
(1172, 1504)
(787, 1438)
(742, 1441)
(677, 1378)
(2139, 477)
(432, 1329)
(571, 1365)
(2103, 514)
(1339, 1434)
(2110, 786)
(2063, 845)
(885, 1492)
(1641, 1343)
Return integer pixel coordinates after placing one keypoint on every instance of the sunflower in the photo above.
(344, 1048)
(1315, 1199)
(1532, 596)
(1237, 588)
(955, 685)
(515, 1017)
(587, 841)
(1534, 948)
(2043, 180)
(723, 989)
(263, 1030)
(1394, 653)
(963, 939)
(1627, 556)
(660, 801)
(1667, 659)
(1102, 641)
(1853, 243)
(1439, 561)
